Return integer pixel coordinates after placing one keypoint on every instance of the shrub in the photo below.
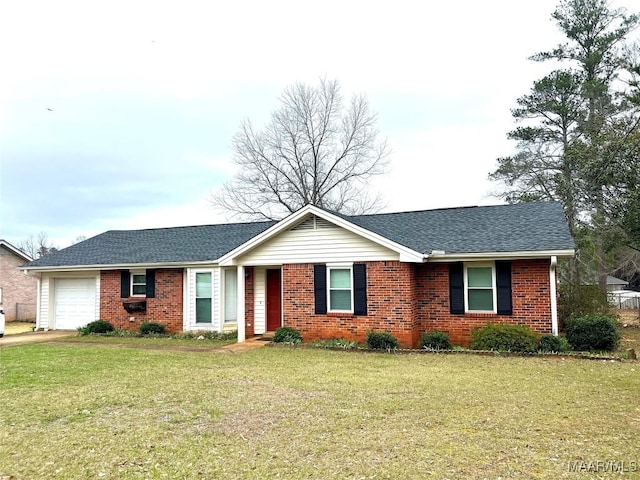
(504, 337)
(593, 332)
(287, 335)
(551, 343)
(580, 301)
(382, 341)
(152, 328)
(435, 340)
(99, 326)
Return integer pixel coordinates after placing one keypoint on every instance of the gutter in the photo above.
(119, 266)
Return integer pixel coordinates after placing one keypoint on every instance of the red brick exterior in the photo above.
(403, 298)
(530, 294)
(408, 299)
(166, 308)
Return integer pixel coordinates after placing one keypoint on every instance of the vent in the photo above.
(313, 223)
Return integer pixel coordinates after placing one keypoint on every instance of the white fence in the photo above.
(624, 299)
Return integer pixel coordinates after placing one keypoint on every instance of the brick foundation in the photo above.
(166, 308)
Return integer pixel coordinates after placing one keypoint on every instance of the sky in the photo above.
(120, 114)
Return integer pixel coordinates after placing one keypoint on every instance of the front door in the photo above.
(274, 300)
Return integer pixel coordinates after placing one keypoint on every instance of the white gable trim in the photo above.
(406, 254)
(16, 251)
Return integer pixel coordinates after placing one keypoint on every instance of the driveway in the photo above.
(35, 337)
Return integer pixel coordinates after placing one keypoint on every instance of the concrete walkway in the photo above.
(35, 337)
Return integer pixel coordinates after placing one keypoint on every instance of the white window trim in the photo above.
(196, 297)
(339, 266)
(223, 289)
(493, 286)
(131, 275)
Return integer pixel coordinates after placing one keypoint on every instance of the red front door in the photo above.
(274, 300)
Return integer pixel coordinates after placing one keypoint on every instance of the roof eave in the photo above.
(118, 266)
(516, 255)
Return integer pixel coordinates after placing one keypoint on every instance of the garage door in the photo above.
(75, 302)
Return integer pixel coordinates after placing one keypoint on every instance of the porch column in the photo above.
(554, 295)
(241, 310)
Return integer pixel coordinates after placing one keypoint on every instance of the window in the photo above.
(138, 284)
(203, 297)
(340, 290)
(480, 288)
(231, 295)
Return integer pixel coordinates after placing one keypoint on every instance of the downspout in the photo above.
(554, 294)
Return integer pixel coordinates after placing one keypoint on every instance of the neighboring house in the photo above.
(325, 274)
(18, 291)
(614, 284)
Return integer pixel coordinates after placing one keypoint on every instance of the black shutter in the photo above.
(503, 283)
(320, 288)
(151, 284)
(125, 284)
(456, 288)
(360, 289)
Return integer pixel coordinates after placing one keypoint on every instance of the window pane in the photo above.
(139, 278)
(203, 310)
(203, 285)
(480, 277)
(139, 290)
(340, 300)
(340, 278)
(481, 300)
(230, 295)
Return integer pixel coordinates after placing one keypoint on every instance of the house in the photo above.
(328, 275)
(17, 290)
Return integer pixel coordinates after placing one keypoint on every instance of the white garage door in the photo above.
(75, 302)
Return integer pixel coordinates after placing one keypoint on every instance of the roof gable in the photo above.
(16, 251)
(299, 220)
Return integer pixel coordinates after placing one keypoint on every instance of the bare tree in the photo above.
(315, 150)
(37, 246)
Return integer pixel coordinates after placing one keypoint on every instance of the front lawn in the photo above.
(77, 412)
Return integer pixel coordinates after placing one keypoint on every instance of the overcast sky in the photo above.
(119, 114)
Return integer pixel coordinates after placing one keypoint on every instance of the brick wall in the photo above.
(166, 308)
(390, 304)
(19, 291)
(408, 299)
(530, 296)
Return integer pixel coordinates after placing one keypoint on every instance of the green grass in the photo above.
(86, 411)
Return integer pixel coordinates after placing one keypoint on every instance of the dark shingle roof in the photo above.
(160, 245)
(535, 226)
(521, 227)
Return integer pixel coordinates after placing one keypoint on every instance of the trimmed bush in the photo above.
(435, 340)
(99, 326)
(503, 337)
(551, 343)
(152, 328)
(593, 333)
(287, 335)
(382, 341)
